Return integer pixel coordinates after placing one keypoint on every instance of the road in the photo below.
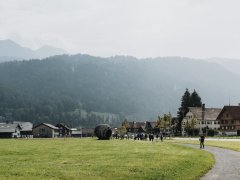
(227, 166)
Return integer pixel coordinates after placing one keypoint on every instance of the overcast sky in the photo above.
(142, 28)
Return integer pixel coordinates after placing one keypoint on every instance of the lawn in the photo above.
(233, 145)
(93, 159)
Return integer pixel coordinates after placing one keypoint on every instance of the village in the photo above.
(198, 120)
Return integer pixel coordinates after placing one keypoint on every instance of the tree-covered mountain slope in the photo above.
(120, 85)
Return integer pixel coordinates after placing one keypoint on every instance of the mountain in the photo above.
(9, 50)
(229, 64)
(54, 88)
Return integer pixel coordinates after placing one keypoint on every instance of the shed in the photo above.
(45, 130)
(9, 130)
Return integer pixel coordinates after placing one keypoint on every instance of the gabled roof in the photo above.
(48, 125)
(136, 125)
(9, 128)
(25, 126)
(63, 125)
(233, 111)
(209, 113)
(153, 124)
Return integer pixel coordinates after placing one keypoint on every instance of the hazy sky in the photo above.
(142, 28)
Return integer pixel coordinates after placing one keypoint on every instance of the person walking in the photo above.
(201, 139)
(161, 137)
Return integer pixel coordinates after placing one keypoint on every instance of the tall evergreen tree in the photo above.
(195, 100)
(182, 111)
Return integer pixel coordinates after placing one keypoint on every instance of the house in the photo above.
(64, 130)
(136, 127)
(229, 119)
(45, 130)
(150, 127)
(201, 118)
(26, 129)
(9, 130)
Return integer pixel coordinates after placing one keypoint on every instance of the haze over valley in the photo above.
(122, 85)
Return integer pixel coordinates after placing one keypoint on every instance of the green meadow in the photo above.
(93, 159)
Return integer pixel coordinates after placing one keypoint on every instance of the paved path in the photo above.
(227, 165)
(208, 139)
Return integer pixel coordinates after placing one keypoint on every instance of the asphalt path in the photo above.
(227, 166)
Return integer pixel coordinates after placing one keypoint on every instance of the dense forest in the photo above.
(63, 88)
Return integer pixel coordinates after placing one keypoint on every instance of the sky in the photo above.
(141, 28)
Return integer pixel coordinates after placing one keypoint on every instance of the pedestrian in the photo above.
(161, 137)
(146, 136)
(201, 139)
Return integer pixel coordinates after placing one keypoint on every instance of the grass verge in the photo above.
(93, 159)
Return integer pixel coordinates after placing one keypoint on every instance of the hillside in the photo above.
(53, 88)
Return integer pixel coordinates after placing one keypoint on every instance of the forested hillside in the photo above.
(59, 88)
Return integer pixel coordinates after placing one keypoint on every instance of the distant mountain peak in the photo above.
(10, 50)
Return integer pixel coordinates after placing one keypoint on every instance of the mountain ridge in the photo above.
(10, 50)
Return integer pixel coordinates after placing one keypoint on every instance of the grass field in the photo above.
(233, 145)
(93, 159)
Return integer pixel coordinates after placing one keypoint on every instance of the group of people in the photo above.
(139, 136)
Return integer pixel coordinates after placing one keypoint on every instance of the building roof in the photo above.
(48, 125)
(9, 128)
(209, 113)
(136, 125)
(233, 111)
(63, 125)
(25, 126)
(153, 124)
(74, 132)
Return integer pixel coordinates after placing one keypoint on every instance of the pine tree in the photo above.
(185, 103)
(195, 100)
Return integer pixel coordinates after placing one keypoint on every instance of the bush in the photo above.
(210, 132)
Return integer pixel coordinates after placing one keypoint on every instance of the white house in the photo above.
(200, 118)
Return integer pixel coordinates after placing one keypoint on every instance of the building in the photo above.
(64, 130)
(9, 130)
(229, 119)
(26, 129)
(45, 130)
(87, 132)
(201, 118)
(76, 132)
(150, 127)
(136, 127)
